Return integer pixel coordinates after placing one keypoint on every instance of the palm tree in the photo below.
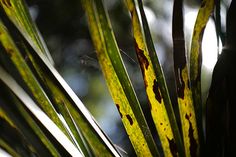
(40, 115)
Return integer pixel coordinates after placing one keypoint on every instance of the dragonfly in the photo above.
(90, 60)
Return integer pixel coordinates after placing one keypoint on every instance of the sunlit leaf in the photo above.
(158, 96)
(25, 49)
(117, 79)
(14, 61)
(184, 93)
(89, 128)
(76, 119)
(204, 13)
(70, 107)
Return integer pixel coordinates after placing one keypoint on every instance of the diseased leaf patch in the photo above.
(118, 107)
(173, 147)
(193, 142)
(130, 119)
(142, 58)
(156, 91)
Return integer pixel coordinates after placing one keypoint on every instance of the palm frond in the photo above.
(118, 81)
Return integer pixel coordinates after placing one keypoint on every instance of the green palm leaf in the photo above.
(204, 13)
(161, 107)
(185, 101)
(14, 61)
(39, 114)
(84, 129)
(117, 79)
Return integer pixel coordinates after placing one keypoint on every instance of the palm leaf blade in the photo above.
(39, 114)
(204, 13)
(118, 81)
(185, 101)
(11, 52)
(161, 107)
(23, 118)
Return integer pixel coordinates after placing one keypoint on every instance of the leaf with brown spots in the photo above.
(193, 142)
(157, 92)
(184, 93)
(117, 79)
(142, 58)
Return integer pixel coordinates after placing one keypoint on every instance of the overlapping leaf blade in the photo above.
(39, 114)
(161, 107)
(184, 93)
(16, 109)
(26, 61)
(204, 13)
(78, 124)
(14, 61)
(117, 79)
(94, 135)
(8, 126)
(76, 119)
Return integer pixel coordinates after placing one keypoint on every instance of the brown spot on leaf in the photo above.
(161, 123)
(130, 119)
(118, 107)
(7, 3)
(141, 57)
(173, 147)
(187, 117)
(156, 90)
(193, 142)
